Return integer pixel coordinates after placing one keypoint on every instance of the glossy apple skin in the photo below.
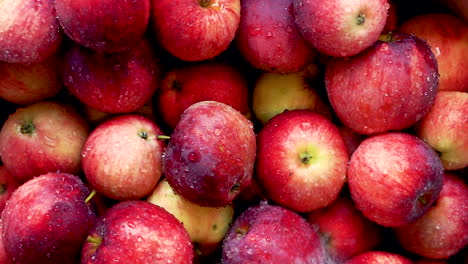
(4, 257)
(301, 185)
(332, 27)
(8, 185)
(394, 178)
(443, 230)
(192, 32)
(104, 25)
(121, 158)
(184, 86)
(47, 220)
(445, 128)
(138, 231)
(272, 234)
(381, 257)
(389, 86)
(269, 39)
(447, 36)
(41, 138)
(29, 31)
(210, 157)
(112, 83)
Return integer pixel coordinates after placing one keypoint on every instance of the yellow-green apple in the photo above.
(210, 156)
(104, 25)
(301, 160)
(272, 234)
(29, 30)
(122, 157)
(186, 85)
(389, 86)
(341, 27)
(379, 257)
(274, 93)
(112, 83)
(8, 185)
(44, 137)
(447, 35)
(443, 231)
(206, 226)
(269, 39)
(47, 219)
(195, 30)
(394, 178)
(445, 128)
(137, 232)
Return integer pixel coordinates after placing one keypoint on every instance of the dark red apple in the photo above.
(379, 257)
(389, 86)
(8, 185)
(301, 160)
(431, 261)
(4, 257)
(104, 25)
(184, 86)
(351, 139)
(394, 178)
(47, 220)
(391, 24)
(43, 137)
(122, 157)
(137, 232)
(210, 157)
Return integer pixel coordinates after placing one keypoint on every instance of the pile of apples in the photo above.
(233, 131)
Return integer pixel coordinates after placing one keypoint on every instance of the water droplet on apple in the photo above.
(269, 34)
(217, 131)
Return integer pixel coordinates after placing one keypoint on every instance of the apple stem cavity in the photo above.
(205, 3)
(305, 158)
(143, 135)
(425, 198)
(2, 188)
(360, 19)
(27, 128)
(90, 196)
(163, 137)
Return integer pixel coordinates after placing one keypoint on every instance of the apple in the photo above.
(301, 160)
(121, 158)
(43, 137)
(394, 178)
(269, 39)
(8, 185)
(391, 23)
(195, 30)
(29, 31)
(4, 257)
(379, 257)
(137, 232)
(272, 234)
(112, 83)
(443, 230)
(431, 261)
(341, 28)
(351, 139)
(459, 7)
(447, 36)
(186, 85)
(210, 156)
(387, 87)
(104, 25)
(47, 220)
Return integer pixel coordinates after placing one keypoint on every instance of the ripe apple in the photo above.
(379, 257)
(301, 160)
(43, 137)
(210, 156)
(104, 25)
(195, 30)
(47, 219)
(137, 232)
(341, 27)
(351, 139)
(389, 86)
(184, 86)
(8, 185)
(272, 234)
(394, 178)
(29, 31)
(391, 23)
(447, 35)
(122, 157)
(4, 257)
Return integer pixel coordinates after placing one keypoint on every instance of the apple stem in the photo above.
(386, 37)
(94, 240)
(90, 196)
(361, 18)
(163, 137)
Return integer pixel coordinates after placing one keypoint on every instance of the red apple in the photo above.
(391, 23)
(184, 86)
(195, 30)
(210, 157)
(8, 185)
(301, 160)
(389, 86)
(379, 257)
(394, 178)
(29, 30)
(43, 137)
(341, 27)
(104, 25)
(443, 230)
(351, 139)
(447, 36)
(430, 261)
(122, 157)
(138, 232)
(4, 257)
(47, 219)
(112, 83)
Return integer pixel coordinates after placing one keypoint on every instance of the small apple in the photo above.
(379, 257)
(8, 185)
